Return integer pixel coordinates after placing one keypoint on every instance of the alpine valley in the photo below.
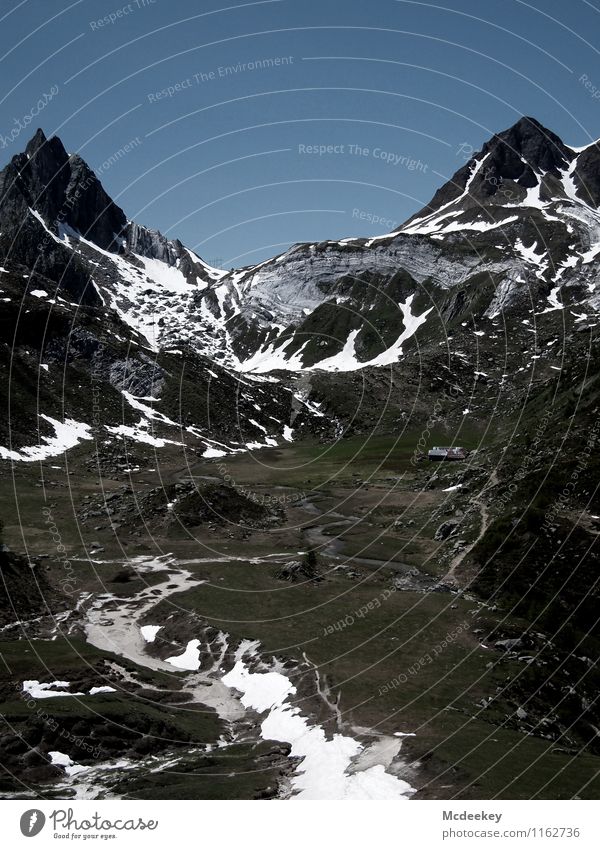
(228, 568)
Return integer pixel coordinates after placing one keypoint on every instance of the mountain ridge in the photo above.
(471, 258)
(153, 377)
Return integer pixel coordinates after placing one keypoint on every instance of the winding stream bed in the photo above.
(338, 767)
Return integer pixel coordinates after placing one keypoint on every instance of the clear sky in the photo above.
(261, 124)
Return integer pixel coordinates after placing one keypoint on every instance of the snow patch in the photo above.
(324, 770)
(149, 632)
(68, 434)
(190, 659)
(211, 452)
(70, 767)
(47, 691)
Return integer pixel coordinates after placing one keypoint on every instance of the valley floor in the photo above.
(368, 668)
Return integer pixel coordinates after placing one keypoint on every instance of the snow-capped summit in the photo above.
(521, 212)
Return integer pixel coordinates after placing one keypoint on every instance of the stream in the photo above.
(337, 766)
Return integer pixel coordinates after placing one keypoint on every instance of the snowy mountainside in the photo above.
(523, 211)
(515, 234)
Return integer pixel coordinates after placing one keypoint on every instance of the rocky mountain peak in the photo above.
(521, 156)
(89, 208)
(36, 142)
(62, 189)
(587, 175)
(36, 178)
(525, 147)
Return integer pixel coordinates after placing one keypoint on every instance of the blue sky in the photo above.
(267, 123)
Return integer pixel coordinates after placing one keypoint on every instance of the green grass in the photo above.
(312, 464)
(241, 772)
(438, 700)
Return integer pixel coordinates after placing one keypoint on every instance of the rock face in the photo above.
(521, 211)
(515, 232)
(587, 175)
(62, 189)
(89, 210)
(173, 508)
(520, 154)
(152, 244)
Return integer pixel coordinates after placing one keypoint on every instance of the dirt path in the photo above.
(450, 576)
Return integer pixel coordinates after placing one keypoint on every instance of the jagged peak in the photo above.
(542, 149)
(35, 142)
(521, 154)
(58, 187)
(526, 125)
(46, 150)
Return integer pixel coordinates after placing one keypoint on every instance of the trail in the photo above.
(450, 576)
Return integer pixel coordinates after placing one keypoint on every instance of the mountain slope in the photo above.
(511, 241)
(474, 324)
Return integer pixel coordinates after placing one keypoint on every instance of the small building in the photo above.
(447, 453)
